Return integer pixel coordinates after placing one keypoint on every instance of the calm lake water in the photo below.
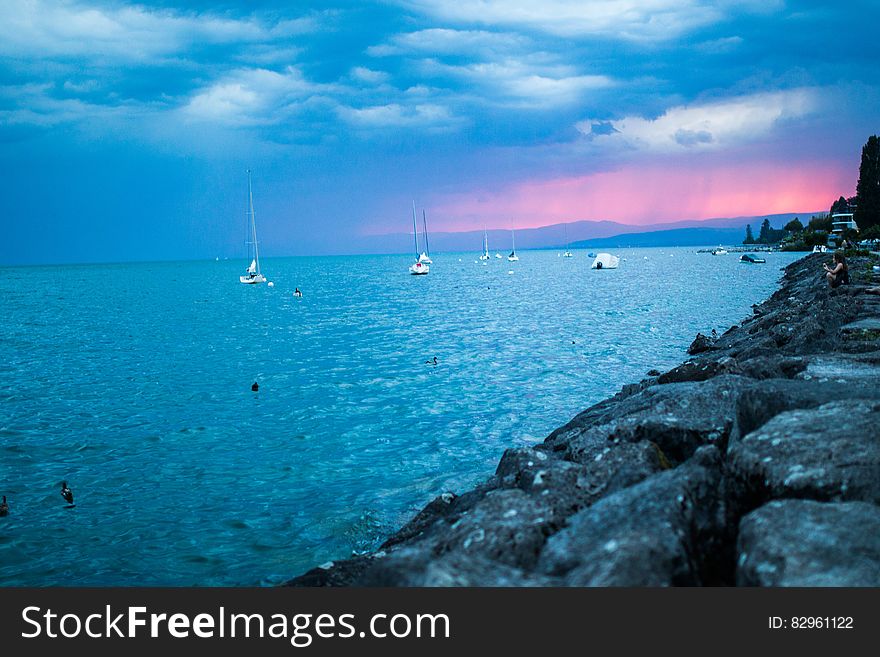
(133, 383)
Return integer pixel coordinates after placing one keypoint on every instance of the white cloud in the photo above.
(252, 96)
(522, 84)
(35, 105)
(370, 76)
(442, 41)
(627, 19)
(708, 126)
(395, 115)
(78, 29)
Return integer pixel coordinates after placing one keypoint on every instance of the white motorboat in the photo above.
(605, 261)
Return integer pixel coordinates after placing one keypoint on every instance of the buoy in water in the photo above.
(271, 284)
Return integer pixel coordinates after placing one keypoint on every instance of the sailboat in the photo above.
(485, 255)
(513, 257)
(567, 253)
(419, 267)
(425, 256)
(254, 275)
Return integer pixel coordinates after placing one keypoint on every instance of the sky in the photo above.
(126, 128)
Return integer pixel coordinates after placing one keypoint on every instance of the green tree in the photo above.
(750, 239)
(840, 205)
(871, 233)
(820, 222)
(867, 212)
(794, 226)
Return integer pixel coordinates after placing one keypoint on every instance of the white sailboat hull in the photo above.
(419, 269)
(513, 258)
(250, 280)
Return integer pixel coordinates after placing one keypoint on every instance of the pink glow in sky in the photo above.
(644, 195)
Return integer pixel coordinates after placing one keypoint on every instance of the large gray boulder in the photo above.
(666, 531)
(829, 453)
(807, 543)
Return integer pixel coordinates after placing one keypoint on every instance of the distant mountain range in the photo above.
(584, 234)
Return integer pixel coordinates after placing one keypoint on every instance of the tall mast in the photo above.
(513, 238)
(425, 226)
(415, 230)
(253, 222)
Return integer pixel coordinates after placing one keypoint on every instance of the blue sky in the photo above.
(125, 129)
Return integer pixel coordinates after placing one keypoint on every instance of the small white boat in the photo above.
(605, 261)
(513, 257)
(719, 251)
(498, 255)
(253, 274)
(820, 248)
(485, 255)
(419, 267)
(567, 252)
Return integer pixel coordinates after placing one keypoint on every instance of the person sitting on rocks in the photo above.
(839, 274)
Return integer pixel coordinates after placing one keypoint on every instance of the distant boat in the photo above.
(485, 255)
(419, 267)
(591, 255)
(254, 275)
(567, 253)
(425, 257)
(498, 255)
(820, 248)
(605, 261)
(513, 257)
(751, 259)
(719, 251)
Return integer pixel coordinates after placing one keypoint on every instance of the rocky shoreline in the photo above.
(754, 463)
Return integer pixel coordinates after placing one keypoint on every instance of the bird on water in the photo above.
(4, 508)
(66, 493)
(255, 387)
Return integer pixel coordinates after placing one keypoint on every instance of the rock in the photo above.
(699, 370)
(759, 403)
(867, 324)
(342, 573)
(654, 373)
(806, 543)
(829, 453)
(412, 567)
(678, 418)
(665, 531)
(700, 344)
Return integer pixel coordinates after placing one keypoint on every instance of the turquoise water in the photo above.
(132, 382)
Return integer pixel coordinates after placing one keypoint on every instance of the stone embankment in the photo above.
(756, 462)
